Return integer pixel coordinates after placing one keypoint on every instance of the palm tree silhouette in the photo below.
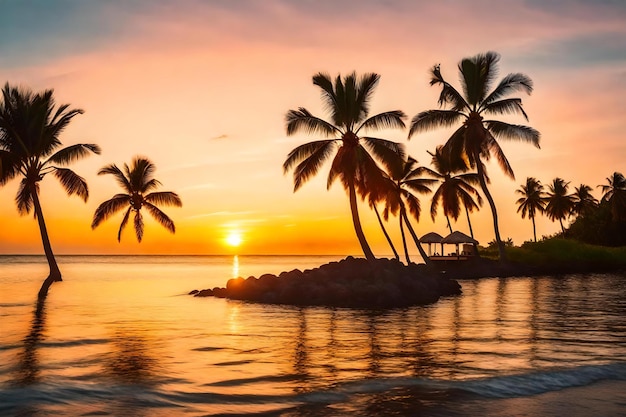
(584, 202)
(477, 139)
(376, 195)
(454, 191)
(348, 102)
(403, 181)
(615, 193)
(560, 203)
(138, 182)
(30, 126)
(532, 201)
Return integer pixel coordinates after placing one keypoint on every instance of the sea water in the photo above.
(120, 336)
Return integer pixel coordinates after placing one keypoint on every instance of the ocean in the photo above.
(120, 336)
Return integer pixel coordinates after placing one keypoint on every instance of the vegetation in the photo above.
(559, 204)
(614, 192)
(568, 253)
(138, 183)
(348, 102)
(476, 140)
(30, 148)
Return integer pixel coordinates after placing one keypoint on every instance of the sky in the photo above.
(201, 88)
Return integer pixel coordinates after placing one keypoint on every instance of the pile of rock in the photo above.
(351, 282)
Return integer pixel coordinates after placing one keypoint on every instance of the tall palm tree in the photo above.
(532, 201)
(477, 139)
(584, 202)
(456, 187)
(374, 197)
(30, 148)
(348, 102)
(403, 182)
(138, 183)
(559, 203)
(615, 193)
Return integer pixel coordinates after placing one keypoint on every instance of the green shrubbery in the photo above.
(567, 251)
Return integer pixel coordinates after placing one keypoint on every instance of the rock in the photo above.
(192, 292)
(351, 282)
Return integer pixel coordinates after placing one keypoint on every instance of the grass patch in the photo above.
(567, 252)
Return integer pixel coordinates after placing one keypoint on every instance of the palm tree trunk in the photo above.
(449, 225)
(406, 249)
(562, 228)
(427, 260)
(469, 223)
(534, 229)
(369, 255)
(55, 273)
(483, 185)
(382, 226)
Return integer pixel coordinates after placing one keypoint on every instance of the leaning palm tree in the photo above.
(30, 148)
(138, 183)
(477, 139)
(532, 201)
(615, 193)
(559, 203)
(584, 202)
(348, 102)
(376, 195)
(456, 187)
(402, 183)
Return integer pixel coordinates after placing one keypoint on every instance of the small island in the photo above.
(351, 282)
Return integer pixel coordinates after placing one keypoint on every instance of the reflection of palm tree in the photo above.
(454, 191)
(476, 138)
(402, 184)
(29, 147)
(584, 202)
(560, 203)
(531, 201)
(29, 362)
(348, 102)
(138, 183)
(615, 193)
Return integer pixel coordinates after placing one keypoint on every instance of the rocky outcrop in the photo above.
(351, 282)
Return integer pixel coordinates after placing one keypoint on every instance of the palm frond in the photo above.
(365, 89)
(502, 130)
(509, 84)
(140, 173)
(302, 152)
(431, 119)
(506, 106)
(72, 182)
(387, 120)
(389, 153)
(138, 223)
(166, 198)
(497, 151)
(311, 164)
(160, 217)
(150, 185)
(120, 177)
(108, 208)
(477, 75)
(24, 198)
(123, 224)
(413, 204)
(73, 153)
(302, 120)
(329, 98)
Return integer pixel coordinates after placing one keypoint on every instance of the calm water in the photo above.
(120, 337)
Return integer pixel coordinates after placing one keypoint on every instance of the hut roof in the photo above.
(431, 237)
(458, 237)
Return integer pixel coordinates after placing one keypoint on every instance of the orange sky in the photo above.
(201, 88)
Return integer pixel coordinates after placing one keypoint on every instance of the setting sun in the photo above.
(234, 239)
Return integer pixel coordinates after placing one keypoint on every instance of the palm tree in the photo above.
(30, 126)
(348, 102)
(402, 183)
(374, 197)
(559, 202)
(477, 139)
(454, 191)
(615, 193)
(138, 182)
(531, 201)
(584, 202)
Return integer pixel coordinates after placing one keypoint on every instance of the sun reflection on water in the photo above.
(235, 266)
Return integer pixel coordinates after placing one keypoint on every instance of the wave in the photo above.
(75, 392)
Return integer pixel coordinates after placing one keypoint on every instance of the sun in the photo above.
(234, 238)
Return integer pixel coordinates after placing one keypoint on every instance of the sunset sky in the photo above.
(202, 87)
